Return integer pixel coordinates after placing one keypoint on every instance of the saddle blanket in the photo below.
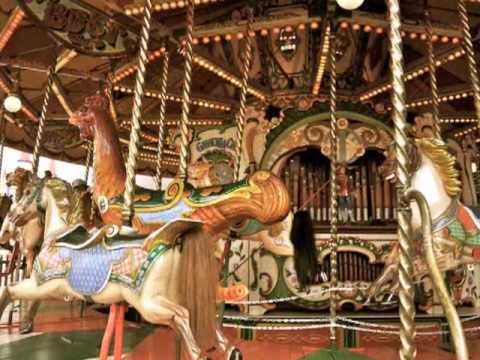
(91, 267)
(466, 226)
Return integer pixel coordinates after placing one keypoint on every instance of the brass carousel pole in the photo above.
(137, 114)
(41, 122)
(88, 160)
(161, 119)
(406, 291)
(241, 118)
(187, 87)
(469, 50)
(117, 310)
(433, 76)
(333, 188)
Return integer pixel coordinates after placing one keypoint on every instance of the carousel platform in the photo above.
(62, 334)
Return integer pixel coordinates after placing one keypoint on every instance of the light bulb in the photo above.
(349, 4)
(12, 103)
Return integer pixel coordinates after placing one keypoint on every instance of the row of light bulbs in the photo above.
(153, 159)
(467, 131)
(461, 120)
(153, 94)
(191, 122)
(323, 62)
(314, 25)
(412, 35)
(164, 6)
(200, 61)
(165, 151)
(444, 98)
(217, 70)
(413, 74)
(12, 25)
(132, 68)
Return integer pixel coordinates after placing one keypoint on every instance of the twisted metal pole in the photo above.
(88, 160)
(333, 187)
(433, 76)
(469, 50)
(109, 93)
(436, 275)
(161, 119)
(129, 193)
(41, 122)
(241, 118)
(187, 87)
(406, 291)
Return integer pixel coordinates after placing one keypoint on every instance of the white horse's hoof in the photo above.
(234, 354)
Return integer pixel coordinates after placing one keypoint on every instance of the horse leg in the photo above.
(232, 353)
(27, 321)
(159, 310)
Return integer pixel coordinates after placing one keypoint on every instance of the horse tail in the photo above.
(305, 251)
(198, 284)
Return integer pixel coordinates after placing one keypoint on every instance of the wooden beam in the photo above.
(36, 66)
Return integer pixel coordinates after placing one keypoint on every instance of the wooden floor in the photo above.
(61, 334)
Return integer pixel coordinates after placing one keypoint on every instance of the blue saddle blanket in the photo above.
(90, 267)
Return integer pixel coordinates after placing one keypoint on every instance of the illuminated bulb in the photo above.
(350, 4)
(413, 35)
(344, 25)
(356, 27)
(301, 27)
(264, 32)
(379, 30)
(12, 103)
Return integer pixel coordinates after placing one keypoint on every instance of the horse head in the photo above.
(85, 118)
(23, 219)
(388, 169)
(19, 179)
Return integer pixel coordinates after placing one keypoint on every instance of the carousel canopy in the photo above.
(289, 65)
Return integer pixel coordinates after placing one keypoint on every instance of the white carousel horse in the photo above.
(456, 229)
(168, 276)
(26, 228)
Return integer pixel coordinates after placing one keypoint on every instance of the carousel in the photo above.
(269, 179)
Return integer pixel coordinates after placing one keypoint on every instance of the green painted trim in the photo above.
(318, 118)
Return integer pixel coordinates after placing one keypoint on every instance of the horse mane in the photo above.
(70, 202)
(444, 163)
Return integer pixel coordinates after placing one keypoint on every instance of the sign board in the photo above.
(81, 27)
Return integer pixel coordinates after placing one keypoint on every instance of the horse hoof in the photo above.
(26, 328)
(235, 354)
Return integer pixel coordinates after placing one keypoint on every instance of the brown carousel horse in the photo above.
(95, 123)
(169, 276)
(163, 265)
